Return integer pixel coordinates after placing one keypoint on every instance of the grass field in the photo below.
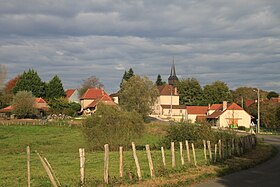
(60, 144)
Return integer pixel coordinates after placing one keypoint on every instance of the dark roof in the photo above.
(166, 89)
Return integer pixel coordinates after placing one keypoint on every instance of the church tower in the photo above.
(172, 78)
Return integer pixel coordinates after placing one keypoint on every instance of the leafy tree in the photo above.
(113, 126)
(126, 76)
(62, 106)
(23, 104)
(268, 114)
(91, 82)
(216, 92)
(6, 97)
(272, 94)
(55, 88)
(159, 81)
(190, 91)
(138, 94)
(30, 81)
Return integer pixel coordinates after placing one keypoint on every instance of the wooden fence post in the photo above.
(163, 157)
(136, 161)
(181, 153)
(47, 169)
(194, 156)
(210, 151)
(188, 151)
(28, 165)
(121, 161)
(215, 158)
(50, 167)
(173, 154)
(82, 165)
(106, 163)
(220, 149)
(151, 166)
(204, 150)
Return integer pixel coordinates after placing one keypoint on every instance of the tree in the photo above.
(272, 94)
(216, 92)
(6, 98)
(8, 89)
(159, 81)
(269, 114)
(91, 82)
(30, 81)
(138, 94)
(190, 91)
(113, 126)
(127, 76)
(55, 88)
(23, 104)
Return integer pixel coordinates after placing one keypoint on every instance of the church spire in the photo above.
(172, 78)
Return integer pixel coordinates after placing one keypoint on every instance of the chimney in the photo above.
(224, 105)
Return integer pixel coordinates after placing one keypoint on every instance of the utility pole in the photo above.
(259, 119)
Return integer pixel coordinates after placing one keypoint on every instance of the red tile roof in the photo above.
(106, 99)
(69, 92)
(216, 106)
(40, 100)
(250, 102)
(197, 109)
(7, 109)
(93, 93)
(166, 89)
(234, 106)
(218, 112)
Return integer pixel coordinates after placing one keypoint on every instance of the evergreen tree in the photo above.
(126, 76)
(159, 81)
(30, 81)
(55, 88)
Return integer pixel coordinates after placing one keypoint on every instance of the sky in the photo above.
(237, 42)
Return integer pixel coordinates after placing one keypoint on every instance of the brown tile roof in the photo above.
(234, 106)
(166, 89)
(197, 109)
(93, 93)
(40, 100)
(218, 112)
(7, 109)
(69, 92)
(250, 102)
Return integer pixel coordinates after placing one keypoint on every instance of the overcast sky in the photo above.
(237, 42)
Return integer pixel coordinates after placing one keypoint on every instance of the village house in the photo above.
(196, 113)
(91, 98)
(228, 116)
(72, 95)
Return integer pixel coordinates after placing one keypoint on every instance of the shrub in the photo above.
(180, 132)
(242, 128)
(110, 125)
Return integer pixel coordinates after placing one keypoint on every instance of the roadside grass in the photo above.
(60, 144)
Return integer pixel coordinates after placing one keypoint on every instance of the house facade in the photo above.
(229, 116)
(196, 113)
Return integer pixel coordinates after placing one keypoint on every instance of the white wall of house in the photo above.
(192, 118)
(164, 100)
(75, 97)
(86, 102)
(241, 116)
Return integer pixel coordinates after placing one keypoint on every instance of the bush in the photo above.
(242, 128)
(195, 133)
(110, 125)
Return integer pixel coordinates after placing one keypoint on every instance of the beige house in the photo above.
(231, 116)
(197, 113)
(167, 104)
(91, 98)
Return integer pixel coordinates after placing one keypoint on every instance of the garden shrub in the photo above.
(113, 126)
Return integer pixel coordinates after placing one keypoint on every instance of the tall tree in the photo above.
(159, 81)
(55, 88)
(190, 91)
(272, 94)
(216, 92)
(91, 82)
(138, 94)
(7, 96)
(23, 104)
(30, 81)
(126, 76)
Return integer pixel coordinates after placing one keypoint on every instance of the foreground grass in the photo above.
(60, 146)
